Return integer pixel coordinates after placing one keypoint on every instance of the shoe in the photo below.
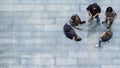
(78, 39)
(96, 45)
(109, 27)
(103, 22)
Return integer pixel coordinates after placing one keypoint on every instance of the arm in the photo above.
(89, 13)
(74, 38)
(78, 27)
(78, 18)
(98, 11)
(105, 17)
(103, 34)
(96, 15)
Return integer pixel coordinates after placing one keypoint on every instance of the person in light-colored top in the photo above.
(105, 37)
(110, 16)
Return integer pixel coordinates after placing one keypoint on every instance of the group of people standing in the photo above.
(93, 11)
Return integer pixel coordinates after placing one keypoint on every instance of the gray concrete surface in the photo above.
(31, 35)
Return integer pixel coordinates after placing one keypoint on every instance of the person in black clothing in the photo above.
(105, 36)
(94, 10)
(70, 33)
(75, 21)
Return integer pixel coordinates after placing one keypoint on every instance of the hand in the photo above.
(74, 38)
(89, 13)
(79, 28)
(108, 18)
(94, 16)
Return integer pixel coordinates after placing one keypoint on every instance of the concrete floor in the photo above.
(31, 35)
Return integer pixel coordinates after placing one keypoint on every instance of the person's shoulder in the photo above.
(91, 5)
(66, 25)
(98, 6)
(113, 12)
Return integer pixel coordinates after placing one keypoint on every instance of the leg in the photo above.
(98, 44)
(91, 18)
(110, 24)
(77, 38)
(100, 41)
(105, 21)
(98, 20)
(111, 21)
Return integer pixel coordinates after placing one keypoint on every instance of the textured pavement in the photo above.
(31, 35)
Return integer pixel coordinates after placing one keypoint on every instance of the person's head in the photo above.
(109, 9)
(95, 5)
(68, 29)
(73, 17)
(108, 33)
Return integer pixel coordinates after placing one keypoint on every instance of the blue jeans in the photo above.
(97, 18)
(100, 41)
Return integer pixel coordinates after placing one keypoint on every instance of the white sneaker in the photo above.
(96, 45)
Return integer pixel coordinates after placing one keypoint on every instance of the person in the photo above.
(75, 21)
(105, 37)
(94, 10)
(70, 33)
(110, 16)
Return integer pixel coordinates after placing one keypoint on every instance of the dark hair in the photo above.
(109, 9)
(95, 5)
(73, 17)
(108, 33)
(68, 29)
(107, 36)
